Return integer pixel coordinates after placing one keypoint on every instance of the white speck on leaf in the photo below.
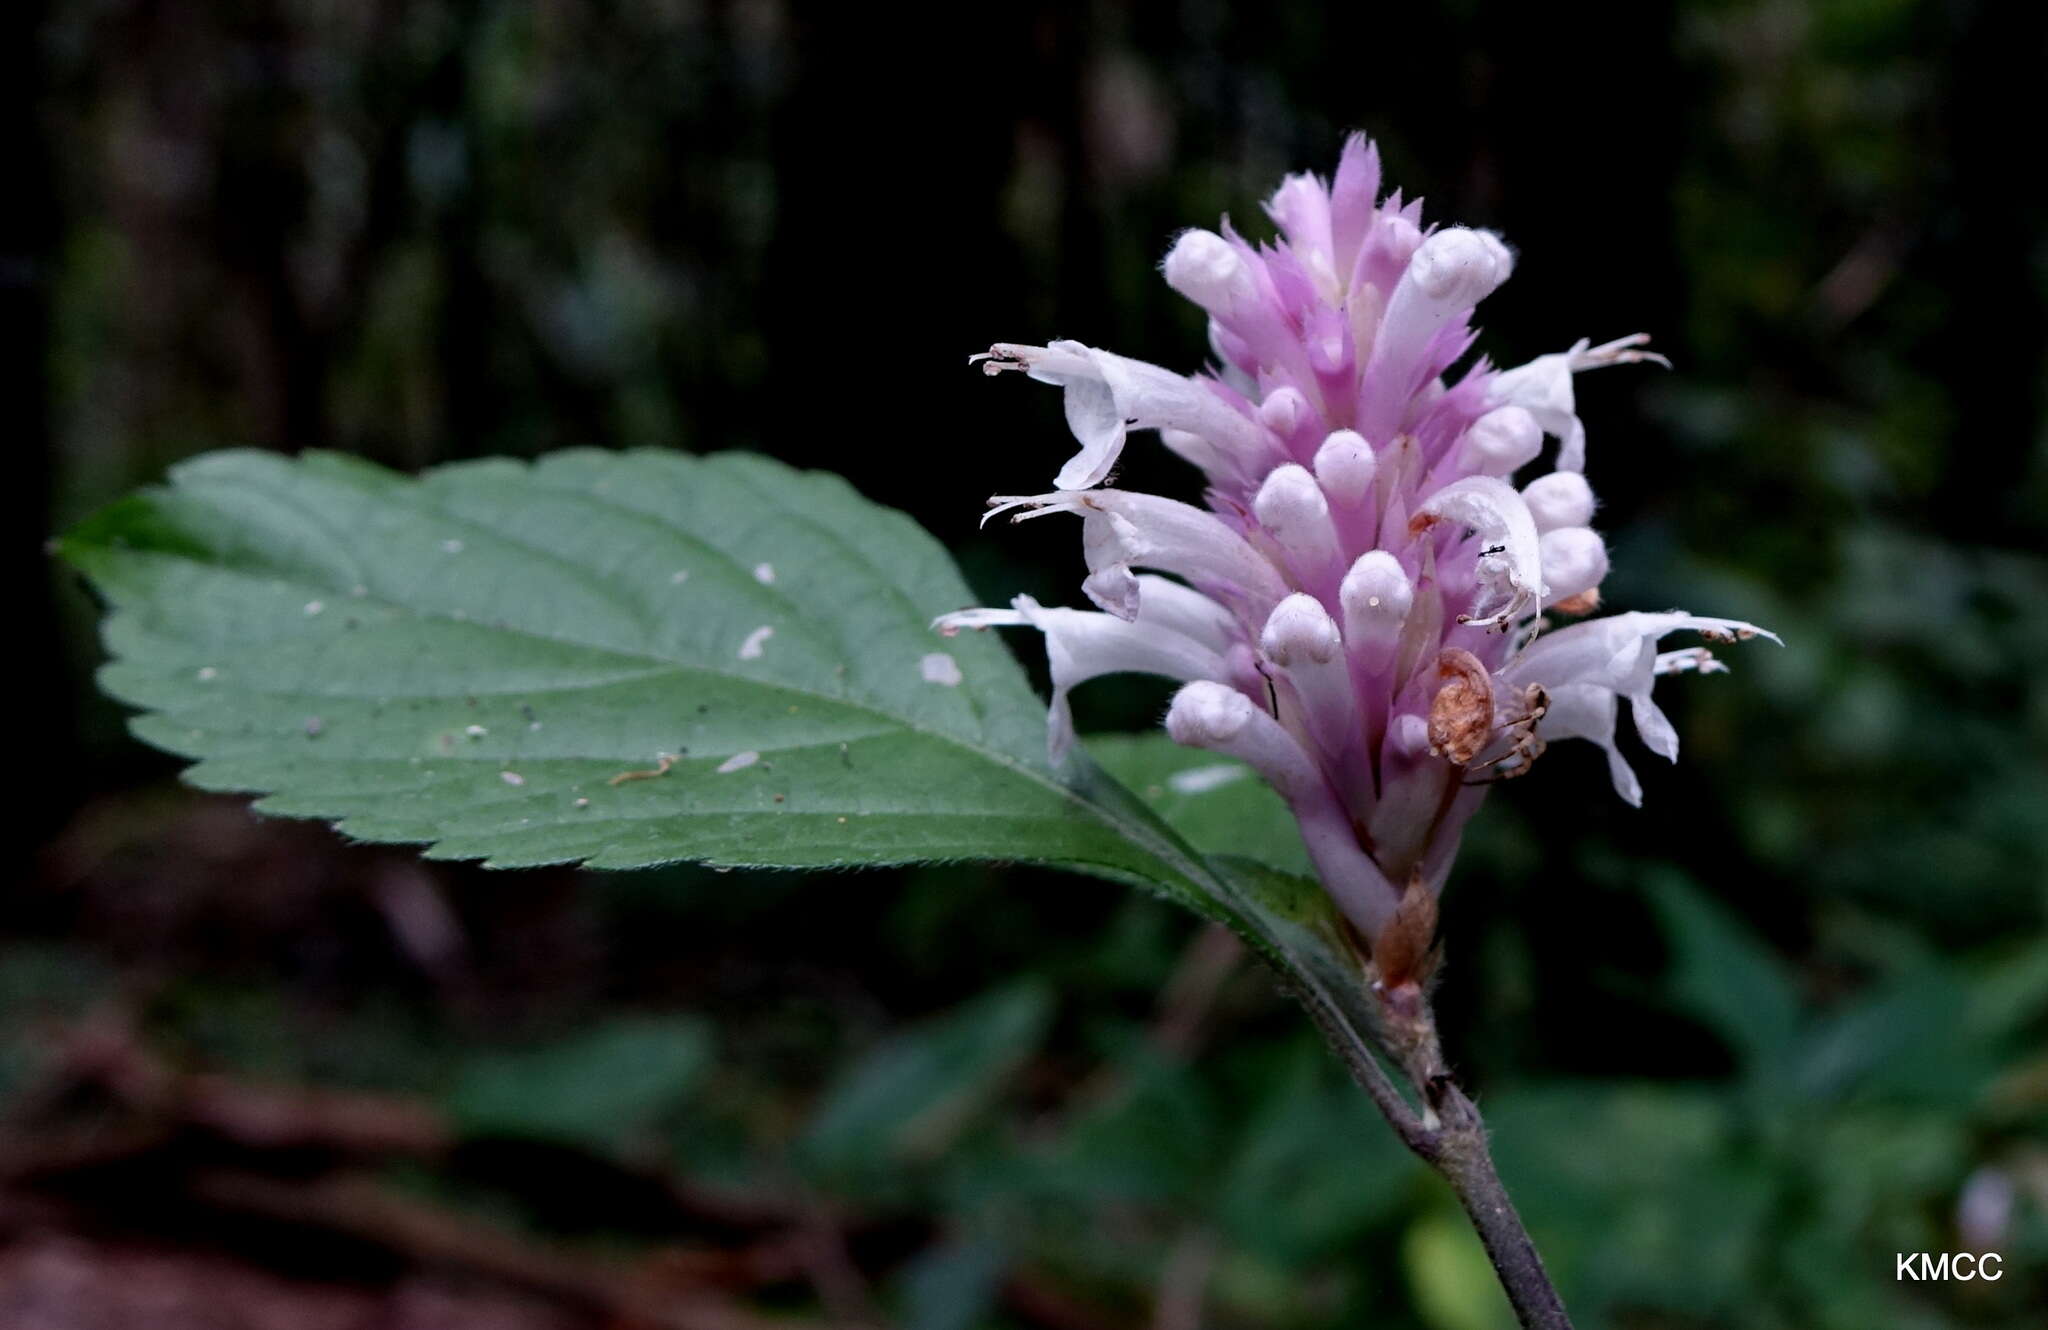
(583, 803)
(511, 778)
(764, 573)
(207, 674)
(751, 648)
(940, 668)
(1201, 780)
(313, 607)
(678, 577)
(738, 762)
(451, 547)
(476, 731)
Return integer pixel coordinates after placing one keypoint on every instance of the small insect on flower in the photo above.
(1357, 612)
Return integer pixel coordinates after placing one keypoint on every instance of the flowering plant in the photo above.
(628, 659)
(1361, 612)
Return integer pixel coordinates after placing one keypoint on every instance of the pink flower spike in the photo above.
(1357, 612)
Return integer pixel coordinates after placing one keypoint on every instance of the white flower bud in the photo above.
(1205, 268)
(1376, 596)
(1300, 631)
(1502, 441)
(1301, 640)
(1291, 506)
(1208, 715)
(1574, 561)
(1460, 266)
(1394, 241)
(1562, 498)
(1215, 716)
(1345, 466)
(1283, 411)
(1408, 735)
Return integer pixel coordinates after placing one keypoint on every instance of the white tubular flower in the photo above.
(1616, 656)
(1109, 395)
(1081, 645)
(1510, 568)
(1451, 272)
(1124, 530)
(1562, 498)
(1543, 388)
(1223, 720)
(1301, 640)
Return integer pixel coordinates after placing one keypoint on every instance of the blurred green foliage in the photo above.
(1738, 1049)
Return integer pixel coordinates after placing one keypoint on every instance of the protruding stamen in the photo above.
(1544, 388)
(1620, 351)
(1697, 660)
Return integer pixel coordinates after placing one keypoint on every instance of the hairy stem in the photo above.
(1449, 1135)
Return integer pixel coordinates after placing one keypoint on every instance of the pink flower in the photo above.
(1357, 611)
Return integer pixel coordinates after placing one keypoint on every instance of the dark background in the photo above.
(1739, 1048)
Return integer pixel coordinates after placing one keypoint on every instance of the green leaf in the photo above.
(911, 1096)
(593, 1090)
(469, 659)
(1219, 804)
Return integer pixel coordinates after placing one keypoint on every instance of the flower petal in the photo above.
(1511, 564)
(1587, 711)
(1081, 645)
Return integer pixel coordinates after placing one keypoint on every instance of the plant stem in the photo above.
(1462, 1158)
(1448, 1135)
